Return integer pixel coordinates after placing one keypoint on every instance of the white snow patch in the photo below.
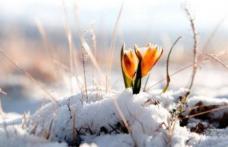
(16, 137)
(98, 122)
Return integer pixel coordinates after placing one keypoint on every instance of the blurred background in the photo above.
(42, 55)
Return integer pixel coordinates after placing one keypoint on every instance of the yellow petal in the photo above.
(129, 63)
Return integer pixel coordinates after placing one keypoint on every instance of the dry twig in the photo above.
(215, 58)
(52, 98)
(183, 99)
(2, 92)
(113, 44)
(195, 52)
(167, 65)
(205, 112)
(121, 115)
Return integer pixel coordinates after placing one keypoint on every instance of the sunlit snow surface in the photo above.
(95, 122)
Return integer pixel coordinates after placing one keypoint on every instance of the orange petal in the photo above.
(150, 57)
(129, 63)
(139, 53)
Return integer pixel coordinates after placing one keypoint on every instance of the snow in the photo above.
(10, 119)
(101, 114)
(207, 101)
(122, 140)
(16, 137)
(210, 101)
(112, 119)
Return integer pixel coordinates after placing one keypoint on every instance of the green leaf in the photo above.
(127, 81)
(137, 82)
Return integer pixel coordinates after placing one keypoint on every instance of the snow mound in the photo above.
(120, 119)
(113, 119)
(16, 137)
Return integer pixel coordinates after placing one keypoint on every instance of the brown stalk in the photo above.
(194, 47)
(48, 134)
(44, 37)
(70, 45)
(1, 109)
(215, 58)
(47, 45)
(167, 65)
(121, 115)
(87, 48)
(74, 133)
(195, 53)
(94, 43)
(52, 98)
(172, 74)
(212, 34)
(171, 128)
(208, 111)
(2, 92)
(113, 40)
(194, 70)
(188, 66)
(84, 73)
(91, 55)
(145, 86)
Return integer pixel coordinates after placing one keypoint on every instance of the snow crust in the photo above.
(113, 119)
(16, 137)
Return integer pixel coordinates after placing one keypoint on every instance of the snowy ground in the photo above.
(116, 118)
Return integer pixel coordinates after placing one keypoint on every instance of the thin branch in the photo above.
(114, 33)
(70, 45)
(1, 109)
(121, 115)
(172, 74)
(208, 111)
(2, 92)
(52, 98)
(94, 44)
(215, 58)
(167, 65)
(89, 52)
(194, 46)
(195, 54)
(86, 46)
(71, 57)
(113, 40)
(183, 99)
(84, 73)
(190, 65)
(44, 37)
(147, 79)
(212, 34)
(74, 132)
(48, 135)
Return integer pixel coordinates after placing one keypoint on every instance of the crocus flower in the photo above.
(137, 63)
(149, 57)
(129, 63)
